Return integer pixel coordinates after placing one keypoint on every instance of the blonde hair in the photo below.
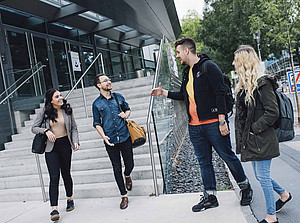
(249, 69)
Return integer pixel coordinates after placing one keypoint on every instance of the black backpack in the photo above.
(284, 126)
(229, 100)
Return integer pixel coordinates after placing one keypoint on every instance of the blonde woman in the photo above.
(256, 139)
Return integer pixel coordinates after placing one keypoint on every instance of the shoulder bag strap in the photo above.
(115, 95)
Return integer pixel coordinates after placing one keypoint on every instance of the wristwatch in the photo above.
(222, 122)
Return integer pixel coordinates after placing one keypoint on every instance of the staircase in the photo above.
(91, 168)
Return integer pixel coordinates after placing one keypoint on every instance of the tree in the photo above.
(225, 26)
(280, 21)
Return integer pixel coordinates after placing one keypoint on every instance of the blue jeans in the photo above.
(262, 174)
(206, 136)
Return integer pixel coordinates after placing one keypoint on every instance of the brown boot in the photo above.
(128, 183)
(124, 203)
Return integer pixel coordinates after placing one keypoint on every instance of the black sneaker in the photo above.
(70, 205)
(54, 215)
(264, 221)
(246, 195)
(206, 201)
(280, 203)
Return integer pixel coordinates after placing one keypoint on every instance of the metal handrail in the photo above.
(82, 85)
(37, 65)
(22, 83)
(149, 118)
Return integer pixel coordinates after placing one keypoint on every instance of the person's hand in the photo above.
(76, 147)
(157, 91)
(50, 136)
(122, 115)
(224, 129)
(106, 138)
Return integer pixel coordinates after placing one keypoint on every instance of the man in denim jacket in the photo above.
(109, 122)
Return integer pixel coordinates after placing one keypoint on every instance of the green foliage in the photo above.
(277, 19)
(225, 26)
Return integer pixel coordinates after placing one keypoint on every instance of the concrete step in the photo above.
(77, 165)
(79, 177)
(81, 110)
(93, 134)
(24, 156)
(120, 86)
(77, 115)
(96, 190)
(127, 93)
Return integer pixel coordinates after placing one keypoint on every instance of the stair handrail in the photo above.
(30, 69)
(149, 118)
(20, 85)
(82, 85)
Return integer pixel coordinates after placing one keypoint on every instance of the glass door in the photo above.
(40, 54)
(88, 57)
(21, 63)
(61, 63)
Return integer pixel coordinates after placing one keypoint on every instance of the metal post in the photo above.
(37, 158)
(103, 71)
(84, 99)
(149, 119)
(256, 36)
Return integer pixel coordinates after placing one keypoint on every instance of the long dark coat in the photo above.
(259, 119)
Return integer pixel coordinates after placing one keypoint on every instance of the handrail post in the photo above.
(103, 71)
(84, 99)
(37, 158)
(149, 119)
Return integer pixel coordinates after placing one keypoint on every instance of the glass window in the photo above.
(20, 62)
(117, 66)
(136, 51)
(107, 64)
(41, 54)
(114, 45)
(125, 48)
(137, 63)
(85, 37)
(88, 57)
(60, 58)
(128, 66)
(101, 42)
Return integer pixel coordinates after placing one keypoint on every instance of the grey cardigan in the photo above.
(71, 128)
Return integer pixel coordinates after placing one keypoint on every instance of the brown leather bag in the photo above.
(137, 133)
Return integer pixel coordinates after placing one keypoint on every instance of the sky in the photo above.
(182, 6)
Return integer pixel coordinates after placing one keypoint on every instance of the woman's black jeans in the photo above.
(125, 149)
(59, 160)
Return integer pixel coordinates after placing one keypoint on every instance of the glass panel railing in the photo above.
(168, 115)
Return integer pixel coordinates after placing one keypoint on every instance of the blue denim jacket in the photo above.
(105, 114)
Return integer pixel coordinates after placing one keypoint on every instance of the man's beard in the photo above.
(107, 89)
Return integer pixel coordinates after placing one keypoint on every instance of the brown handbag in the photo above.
(137, 133)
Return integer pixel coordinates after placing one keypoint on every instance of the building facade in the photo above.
(46, 32)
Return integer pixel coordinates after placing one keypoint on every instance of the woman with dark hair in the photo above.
(61, 130)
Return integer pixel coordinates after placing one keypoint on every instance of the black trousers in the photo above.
(59, 160)
(114, 153)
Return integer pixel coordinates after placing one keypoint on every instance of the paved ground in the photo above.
(163, 209)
